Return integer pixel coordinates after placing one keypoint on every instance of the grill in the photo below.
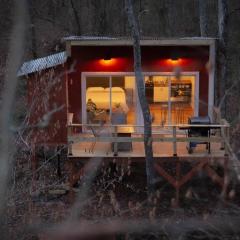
(198, 131)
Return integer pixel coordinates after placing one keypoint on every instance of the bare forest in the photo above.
(112, 199)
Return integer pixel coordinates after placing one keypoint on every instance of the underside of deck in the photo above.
(175, 170)
(208, 153)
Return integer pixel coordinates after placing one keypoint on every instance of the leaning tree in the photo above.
(134, 26)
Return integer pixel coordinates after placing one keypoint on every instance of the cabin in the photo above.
(86, 99)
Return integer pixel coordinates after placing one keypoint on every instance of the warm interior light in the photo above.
(174, 61)
(109, 61)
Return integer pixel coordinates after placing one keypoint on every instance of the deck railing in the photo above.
(174, 133)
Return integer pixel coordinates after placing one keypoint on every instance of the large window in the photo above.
(171, 100)
(109, 99)
(113, 98)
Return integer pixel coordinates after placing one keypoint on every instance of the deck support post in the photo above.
(34, 167)
(70, 148)
(174, 141)
(225, 179)
(115, 144)
(75, 174)
(70, 143)
(71, 180)
(178, 173)
(226, 140)
(59, 151)
(222, 135)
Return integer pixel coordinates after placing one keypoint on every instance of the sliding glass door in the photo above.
(109, 99)
(113, 98)
(171, 100)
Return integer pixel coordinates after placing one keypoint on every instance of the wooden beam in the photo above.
(164, 174)
(192, 172)
(178, 175)
(214, 176)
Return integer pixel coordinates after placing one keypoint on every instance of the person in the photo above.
(91, 106)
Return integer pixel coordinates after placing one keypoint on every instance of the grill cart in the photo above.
(198, 132)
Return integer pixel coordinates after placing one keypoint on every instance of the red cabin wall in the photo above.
(154, 59)
(88, 59)
(46, 92)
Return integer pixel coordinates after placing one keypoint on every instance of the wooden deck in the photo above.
(160, 149)
(168, 141)
(169, 144)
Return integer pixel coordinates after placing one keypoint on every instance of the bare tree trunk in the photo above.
(8, 96)
(203, 18)
(222, 47)
(75, 12)
(33, 29)
(141, 94)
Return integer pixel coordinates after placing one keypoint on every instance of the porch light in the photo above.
(107, 62)
(107, 57)
(174, 57)
(174, 61)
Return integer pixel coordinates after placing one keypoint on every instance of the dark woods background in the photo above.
(50, 20)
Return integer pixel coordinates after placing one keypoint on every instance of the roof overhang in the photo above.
(163, 42)
(151, 41)
(111, 41)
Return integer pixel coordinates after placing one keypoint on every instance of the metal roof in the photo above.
(94, 38)
(42, 63)
(127, 41)
(89, 38)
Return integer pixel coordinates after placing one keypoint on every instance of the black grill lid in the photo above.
(200, 120)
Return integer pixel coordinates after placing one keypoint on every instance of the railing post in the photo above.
(69, 131)
(227, 139)
(70, 148)
(222, 134)
(174, 141)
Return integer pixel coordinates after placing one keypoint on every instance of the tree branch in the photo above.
(76, 17)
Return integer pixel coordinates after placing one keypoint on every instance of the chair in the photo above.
(98, 116)
(120, 118)
(69, 118)
(97, 131)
